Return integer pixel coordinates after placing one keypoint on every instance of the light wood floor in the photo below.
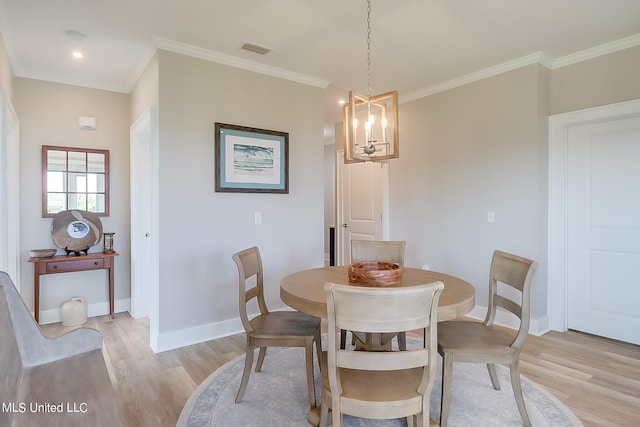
(599, 379)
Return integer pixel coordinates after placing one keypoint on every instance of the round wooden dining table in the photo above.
(304, 290)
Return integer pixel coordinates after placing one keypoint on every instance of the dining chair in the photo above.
(272, 329)
(378, 250)
(379, 384)
(384, 251)
(510, 279)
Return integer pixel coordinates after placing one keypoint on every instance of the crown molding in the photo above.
(541, 58)
(594, 52)
(535, 58)
(232, 61)
(85, 83)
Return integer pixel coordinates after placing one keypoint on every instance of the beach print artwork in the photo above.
(253, 160)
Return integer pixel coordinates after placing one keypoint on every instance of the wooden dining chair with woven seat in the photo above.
(383, 251)
(272, 329)
(380, 384)
(475, 342)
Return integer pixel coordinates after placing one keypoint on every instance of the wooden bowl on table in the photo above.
(375, 273)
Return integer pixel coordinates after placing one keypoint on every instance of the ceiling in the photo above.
(417, 46)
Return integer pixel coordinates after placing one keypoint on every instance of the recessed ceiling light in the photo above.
(77, 54)
(341, 102)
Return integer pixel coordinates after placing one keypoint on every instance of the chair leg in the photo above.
(324, 408)
(310, 384)
(410, 419)
(343, 339)
(402, 341)
(445, 397)
(261, 354)
(514, 369)
(319, 350)
(336, 415)
(491, 367)
(248, 362)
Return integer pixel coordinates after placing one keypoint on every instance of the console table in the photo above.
(69, 264)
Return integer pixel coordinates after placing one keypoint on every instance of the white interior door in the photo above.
(362, 189)
(603, 228)
(141, 263)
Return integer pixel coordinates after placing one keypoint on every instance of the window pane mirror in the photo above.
(74, 178)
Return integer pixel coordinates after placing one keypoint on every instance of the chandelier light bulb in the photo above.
(384, 130)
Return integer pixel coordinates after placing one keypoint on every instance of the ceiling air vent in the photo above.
(256, 49)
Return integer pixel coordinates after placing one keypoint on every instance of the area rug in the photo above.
(277, 396)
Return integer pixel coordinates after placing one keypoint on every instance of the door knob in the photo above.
(344, 225)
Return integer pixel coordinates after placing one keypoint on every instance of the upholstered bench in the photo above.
(50, 382)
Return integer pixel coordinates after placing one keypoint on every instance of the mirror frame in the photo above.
(45, 151)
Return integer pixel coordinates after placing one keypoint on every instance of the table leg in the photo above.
(111, 308)
(373, 341)
(36, 296)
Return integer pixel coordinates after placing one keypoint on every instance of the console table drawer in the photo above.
(75, 265)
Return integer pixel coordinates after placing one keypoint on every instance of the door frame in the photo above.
(10, 190)
(557, 298)
(339, 162)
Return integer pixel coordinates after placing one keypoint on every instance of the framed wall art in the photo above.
(250, 160)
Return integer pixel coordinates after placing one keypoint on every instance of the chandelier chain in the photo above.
(369, 91)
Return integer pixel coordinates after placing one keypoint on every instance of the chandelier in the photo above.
(370, 121)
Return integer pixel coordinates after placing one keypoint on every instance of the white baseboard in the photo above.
(201, 333)
(98, 309)
(537, 327)
(197, 334)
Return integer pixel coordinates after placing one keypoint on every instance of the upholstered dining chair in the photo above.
(272, 329)
(379, 384)
(475, 342)
(384, 251)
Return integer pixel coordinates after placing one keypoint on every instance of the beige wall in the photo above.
(48, 115)
(465, 152)
(201, 229)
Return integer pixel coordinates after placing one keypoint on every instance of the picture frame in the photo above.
(251, 160)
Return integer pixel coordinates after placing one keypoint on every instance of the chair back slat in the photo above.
(381, 360)
(383, 310)
(378, 250)
(508, 304)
